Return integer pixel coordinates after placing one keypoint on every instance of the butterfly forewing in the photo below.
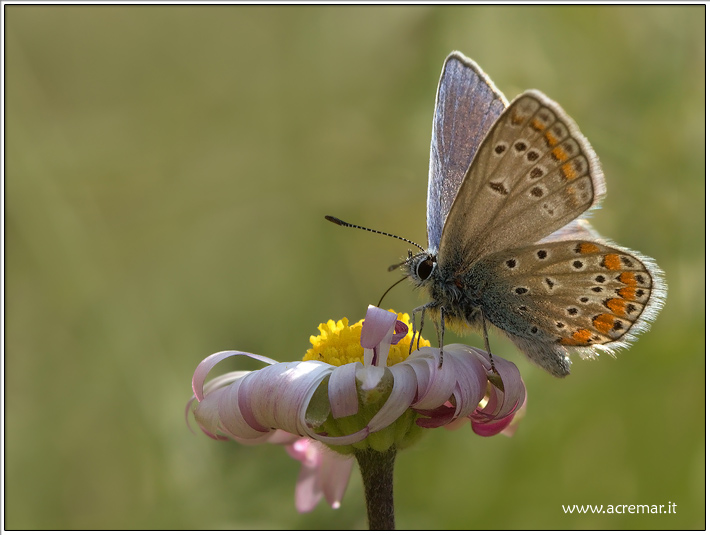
(533, 174)
(467, 105)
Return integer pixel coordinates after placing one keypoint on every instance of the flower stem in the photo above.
(377, 469)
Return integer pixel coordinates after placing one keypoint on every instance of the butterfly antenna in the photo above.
(344, 224)
(388, 290)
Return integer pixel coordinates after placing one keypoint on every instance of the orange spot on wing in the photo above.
(537, 125)
(627, 278)
(568, 170)
(587, 248)
(604, 323)
(551, 139)
(580, 337)
(560, 154)
(516, 119)
(627, 293)
(612, 261)
(617, 306)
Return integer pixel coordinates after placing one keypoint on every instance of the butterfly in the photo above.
(508, 185)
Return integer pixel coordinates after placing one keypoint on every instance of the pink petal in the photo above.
(378, 324)
(283, 438)
(501, 404)
(204, 367)
(400, 331)
(435, 384)
(377, 333)
(436, 417)
(404, 389)
(493, 427)
(277, 396)
(335, 474)
(471, 381)
(308, 492)
(207, 417)
(324, 473)
(342, 390)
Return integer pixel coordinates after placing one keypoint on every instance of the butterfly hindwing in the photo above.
(579, 294)
(533, 174)
(579, 229)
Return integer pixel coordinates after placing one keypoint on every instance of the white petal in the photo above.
(340, 441)
(377, 333)
(404, 389)
(278, 395)
(270, 398)
(342, 390)
(471, 383)
(204, 367)
(441, 381)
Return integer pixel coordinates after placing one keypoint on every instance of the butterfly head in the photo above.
(420, 267)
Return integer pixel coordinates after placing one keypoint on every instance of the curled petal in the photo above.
(210, 415)
(461, 375)
(502, 406)
(403, 391)
(435, 384)
(342, 390)
(454, 390)
(491, 427)
(278, 395)
(378, 325)
(471, 379)
(207, 416)
(400, 331)
(198, 378)
(441, 416)
(514, 394)
(376, 336)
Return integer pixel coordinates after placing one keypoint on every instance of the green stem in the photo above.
(377, 469)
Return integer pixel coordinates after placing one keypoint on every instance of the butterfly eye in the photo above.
(425, 268)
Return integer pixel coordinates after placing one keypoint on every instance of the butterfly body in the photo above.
(507, 247)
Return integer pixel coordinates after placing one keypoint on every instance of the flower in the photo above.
(324, 474)
(357, 387)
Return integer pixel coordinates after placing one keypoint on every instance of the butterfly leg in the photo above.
(488, 346)
(420, 309)
(440, 335)
(414, 326)
(421, 328)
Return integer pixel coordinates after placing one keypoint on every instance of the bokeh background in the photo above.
(166, 176)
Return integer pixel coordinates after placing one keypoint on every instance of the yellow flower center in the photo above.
(339, 343)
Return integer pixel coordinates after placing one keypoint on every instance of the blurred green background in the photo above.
(166, 176)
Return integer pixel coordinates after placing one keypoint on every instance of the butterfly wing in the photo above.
(579, 229)
(579, 294)
(467, 105)
(533, 174)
